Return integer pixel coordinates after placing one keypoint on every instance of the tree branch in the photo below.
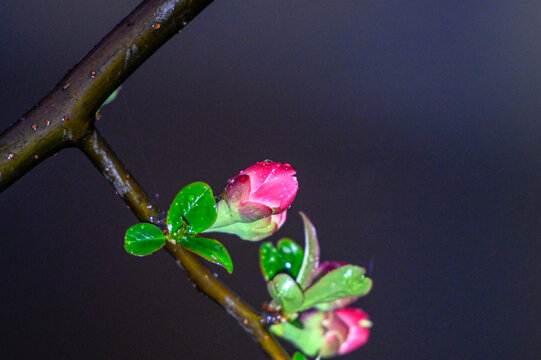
(64, 116)
(103, 157)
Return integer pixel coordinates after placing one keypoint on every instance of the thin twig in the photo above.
(103, 157)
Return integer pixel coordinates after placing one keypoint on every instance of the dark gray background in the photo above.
(415, 130)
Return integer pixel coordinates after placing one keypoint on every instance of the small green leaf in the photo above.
(195, 205)
(299, 356)
(346, 281)
(311, 253)
(269, 260)
(287, 258)
(111, 97)
(208, 249)
(143, 239)
(285, 291)
(292, 255)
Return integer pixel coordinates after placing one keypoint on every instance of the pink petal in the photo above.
(358, 334)
(238, 189)
(252, 211)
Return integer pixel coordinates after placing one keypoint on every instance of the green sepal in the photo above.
(195, 207)
(309, 340)
(143, 239)
(285, 291)
(286, 257)
(310, 261)
(299, 356)
(209, 249)
(346, 281)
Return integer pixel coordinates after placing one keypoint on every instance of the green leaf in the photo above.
(208, 249)
(143, 239)
(299, 356)
(346, 281)
(285, 291)
(111, 97)
(195, 205)
(311, 253)
(287, 257)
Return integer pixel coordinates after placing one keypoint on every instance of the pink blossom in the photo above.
(358, 326)
(327, 333)
(264, 189)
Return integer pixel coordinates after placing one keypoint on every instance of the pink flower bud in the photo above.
(264, 189)
(345, 330)
(327, 333)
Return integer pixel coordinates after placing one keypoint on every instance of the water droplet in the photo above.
(286, 167)
(35, 127)
(282, 196)
(149, 207)
(92, 74)
(11, 156)
(215, 275)
(157, 195)
(36, 156)
(106, 169)
(157, 25)
(47, 122)
(288, 265)
(191, 197)
(65, 118)
(65, 86)
(127, 176)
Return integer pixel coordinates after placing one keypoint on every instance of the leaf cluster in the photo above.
(193, 211)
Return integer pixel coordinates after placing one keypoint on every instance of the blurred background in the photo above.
(415, 130)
